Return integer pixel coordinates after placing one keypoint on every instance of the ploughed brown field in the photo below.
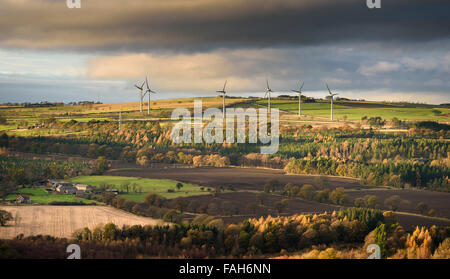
(410, 221)
(253, 179)
(244, 200)
(439, 201)
(240, 178)
(62, 221)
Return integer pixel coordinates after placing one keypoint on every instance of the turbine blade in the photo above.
(301, 87)
(225, 85)
(328, 88)
(146, 81)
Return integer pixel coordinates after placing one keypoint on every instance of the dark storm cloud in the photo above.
(207, 24)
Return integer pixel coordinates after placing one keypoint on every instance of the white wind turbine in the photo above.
(141, 96)
(331, 98)
(149, 91)
(223, 92)
(299, 91)
(268, 91)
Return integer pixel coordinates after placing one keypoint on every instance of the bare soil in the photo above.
(439, 201)
(244, 200)
(253, 179)
(62, 221)
(239, 178)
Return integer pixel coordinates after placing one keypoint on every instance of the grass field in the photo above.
(160, 111)
(84, 111)
(358, 110)
(100, 112)
(41, 196)
(156, 186)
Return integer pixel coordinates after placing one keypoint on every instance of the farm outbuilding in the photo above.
(23, 199)
(66, 189)
(84, 188)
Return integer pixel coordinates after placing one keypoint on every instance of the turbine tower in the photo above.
(268, 91)
(223, 92)
(299, 91)
(149, 91)
(331, 98)
(141, 88)
(120, 118)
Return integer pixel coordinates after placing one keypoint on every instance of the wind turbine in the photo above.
(331, 98)
(141, 88)
(223, 92)
(299, 91)
(268, 91)
(149, 91)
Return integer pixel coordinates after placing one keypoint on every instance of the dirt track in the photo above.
(62, 221)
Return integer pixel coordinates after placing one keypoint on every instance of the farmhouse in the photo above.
(83, 188)
(114, 191)
(54, 182)
(23, 199)
(66, 188)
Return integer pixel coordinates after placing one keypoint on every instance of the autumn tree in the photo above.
(101, 165)
(360, 202)
(422, 207)
(380, 237)
(307, 192)
(393, 202)
(337, 196)
(172, 216)
(3, 120)
(180, 204)
(323, 196)
(125, 186)
(110, 231)
(271, 186)
(154, 199)
(5, 216)
(372, 201)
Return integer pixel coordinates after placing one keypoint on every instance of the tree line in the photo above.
(269, 236)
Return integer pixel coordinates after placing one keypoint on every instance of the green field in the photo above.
(322, 109)
(41, 196)
(351, 110)
(156, 186)
(20, 118)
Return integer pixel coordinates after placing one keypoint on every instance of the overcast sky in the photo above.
(187, 48)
